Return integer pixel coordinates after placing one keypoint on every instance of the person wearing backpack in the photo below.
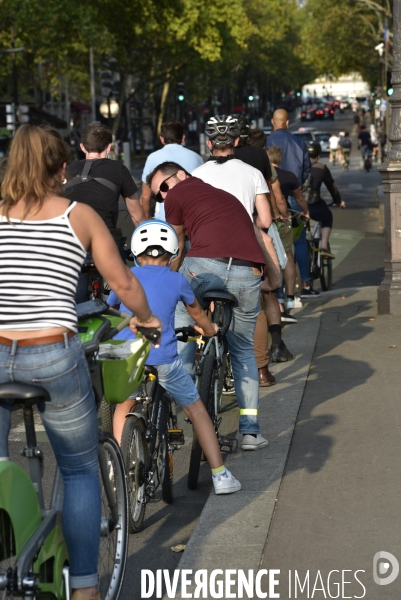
(318, 209)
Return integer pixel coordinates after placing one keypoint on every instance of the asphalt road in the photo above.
(357, 243)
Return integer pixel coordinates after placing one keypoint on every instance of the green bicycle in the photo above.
(33, 553)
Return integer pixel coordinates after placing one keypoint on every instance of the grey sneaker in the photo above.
(225, 483)
(253, 443)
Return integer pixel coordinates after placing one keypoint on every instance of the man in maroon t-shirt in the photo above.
(224, 255)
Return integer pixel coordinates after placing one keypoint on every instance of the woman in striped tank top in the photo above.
(43, 242)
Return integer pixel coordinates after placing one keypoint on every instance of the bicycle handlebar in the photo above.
(184, 333)
(150, 333)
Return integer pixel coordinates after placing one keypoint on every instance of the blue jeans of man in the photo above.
(300, 248)
(70, 421)
(205, 274)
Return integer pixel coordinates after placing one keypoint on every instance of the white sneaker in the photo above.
(296, 303)
(253, 443)
(225, 483)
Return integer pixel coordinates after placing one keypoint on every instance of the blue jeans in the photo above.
(205, 274)
(70, 421)
(300, 248)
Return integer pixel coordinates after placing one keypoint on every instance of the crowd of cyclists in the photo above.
(225, 224)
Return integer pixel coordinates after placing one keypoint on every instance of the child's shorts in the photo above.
(176, 381)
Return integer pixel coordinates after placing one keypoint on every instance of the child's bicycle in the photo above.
(150, 436)
(33, 554)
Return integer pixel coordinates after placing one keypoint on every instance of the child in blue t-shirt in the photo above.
(154, 244)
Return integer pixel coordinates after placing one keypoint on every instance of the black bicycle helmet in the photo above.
(224, 126)
(314, 149)
(244, 125)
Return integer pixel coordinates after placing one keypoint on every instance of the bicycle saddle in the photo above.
(91, 308)
(220, 295)
(22, 393)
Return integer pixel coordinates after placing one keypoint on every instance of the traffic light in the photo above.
(389, 85)
(10, 117)
(106, 82)
(180, 92)
(250, 96)
(22, 114)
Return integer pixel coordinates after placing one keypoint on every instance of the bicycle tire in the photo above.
(105, 415)
(224, 374)
(135, 454)
(114, 522)
(326, 272)
(312, 261)
(165, 456)
(206, 395)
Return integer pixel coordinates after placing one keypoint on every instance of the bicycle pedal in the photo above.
(228, 443)
(176, 436)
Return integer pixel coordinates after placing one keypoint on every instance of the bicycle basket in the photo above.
(122, 376)
(297, 229)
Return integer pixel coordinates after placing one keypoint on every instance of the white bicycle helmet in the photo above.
(154, 233)
(222, 125)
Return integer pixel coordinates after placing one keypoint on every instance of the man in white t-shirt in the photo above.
(333, 146)
(172, 136)
(226, 172)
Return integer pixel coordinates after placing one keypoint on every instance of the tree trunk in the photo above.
(166, 87)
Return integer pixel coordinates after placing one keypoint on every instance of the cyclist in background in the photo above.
(318, 210)
(105, 181)
(172, 138)
(44, 239)
(346, 147)
(154, 244)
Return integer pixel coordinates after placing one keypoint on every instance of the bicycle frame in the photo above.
(152, 405)
(38, 539)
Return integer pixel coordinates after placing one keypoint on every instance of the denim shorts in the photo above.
(176, 381)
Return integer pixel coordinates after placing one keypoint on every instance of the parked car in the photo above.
(323, 138)
(306, 133)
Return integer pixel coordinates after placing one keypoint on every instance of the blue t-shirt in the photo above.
(163, 289)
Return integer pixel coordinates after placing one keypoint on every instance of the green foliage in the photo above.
(220, 48)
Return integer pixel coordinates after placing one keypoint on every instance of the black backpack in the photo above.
(308, 192)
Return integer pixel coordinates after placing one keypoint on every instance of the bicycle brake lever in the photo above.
(150, 333)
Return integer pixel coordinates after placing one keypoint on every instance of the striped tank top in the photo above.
(40, 262)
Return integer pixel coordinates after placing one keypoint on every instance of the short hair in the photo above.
(257, 137)
(96, 137)
(167, 168)
(172, 132)
(275, 155)
(33, 168)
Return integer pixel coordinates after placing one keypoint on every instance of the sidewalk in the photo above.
(325, 495)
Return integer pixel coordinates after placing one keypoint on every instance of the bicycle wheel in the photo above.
(165, 455)
(105, 414)
(135, 454)
(326, 272)
(114, 520)
(206, 385)
(313, 267)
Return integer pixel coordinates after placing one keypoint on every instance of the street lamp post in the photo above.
(389, 292)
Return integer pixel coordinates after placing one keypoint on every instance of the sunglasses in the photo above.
(164, 187)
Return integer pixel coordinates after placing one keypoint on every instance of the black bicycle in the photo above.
(211, 373)
(320, 266)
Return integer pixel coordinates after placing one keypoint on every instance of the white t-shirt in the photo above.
(184, 157)
(236, 177)
(333, 142)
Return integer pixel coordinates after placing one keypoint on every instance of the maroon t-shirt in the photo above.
(216, 223)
